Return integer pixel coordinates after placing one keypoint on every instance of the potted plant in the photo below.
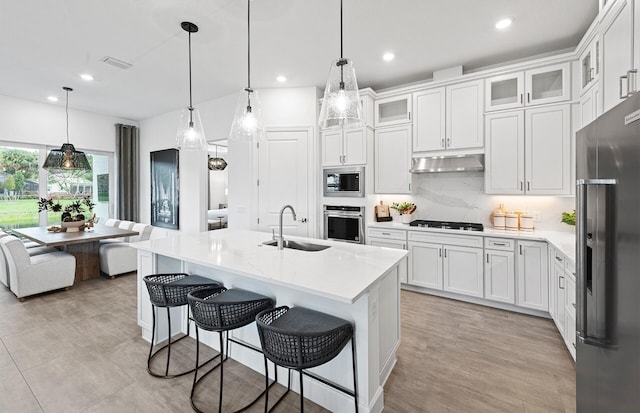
(406, 211)
(73, 214)
(569, 218)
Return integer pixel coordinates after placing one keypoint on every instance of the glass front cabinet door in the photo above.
(393, 110)
(538, 86)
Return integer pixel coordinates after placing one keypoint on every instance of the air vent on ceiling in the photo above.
(121, 64)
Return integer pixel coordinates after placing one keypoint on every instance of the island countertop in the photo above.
(343, 272)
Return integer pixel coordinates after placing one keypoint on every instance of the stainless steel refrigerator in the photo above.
(608, 261)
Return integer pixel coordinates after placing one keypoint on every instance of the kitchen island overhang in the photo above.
(355, 282)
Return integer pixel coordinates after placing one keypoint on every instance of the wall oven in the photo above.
(343, 182)
(344, 223)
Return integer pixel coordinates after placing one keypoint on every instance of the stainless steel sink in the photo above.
(297, 245)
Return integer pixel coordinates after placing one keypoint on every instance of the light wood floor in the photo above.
(80, 351)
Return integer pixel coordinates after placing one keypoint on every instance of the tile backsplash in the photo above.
(459, 196)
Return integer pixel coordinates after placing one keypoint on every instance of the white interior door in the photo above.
(283, 171)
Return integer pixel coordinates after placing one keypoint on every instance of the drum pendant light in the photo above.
(247, 121)
(190, 135)
(341, 105)
(67, 158)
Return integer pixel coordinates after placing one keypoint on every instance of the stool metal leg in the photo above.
(355, 376)
(266, 385)
(301, 394)
(166, 373)
(221, 372)
(153, 335)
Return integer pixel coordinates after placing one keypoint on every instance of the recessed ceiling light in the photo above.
(281, 79)
(388, 57)
(52, 99)
(87, 77)
(503, 23)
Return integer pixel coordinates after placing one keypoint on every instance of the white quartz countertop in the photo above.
(563, 241)
(343, 272)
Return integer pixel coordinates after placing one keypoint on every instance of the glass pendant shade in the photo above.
(66, 158)
(247, 120)
(341, 105)
(190, 134)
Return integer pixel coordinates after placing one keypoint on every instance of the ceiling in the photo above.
(46, 44)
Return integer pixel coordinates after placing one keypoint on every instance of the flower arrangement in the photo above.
(569, 218)
(404, 207)
(72, 212)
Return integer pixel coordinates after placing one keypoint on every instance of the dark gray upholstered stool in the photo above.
(221, 310)
(298, 338)
(167, 291)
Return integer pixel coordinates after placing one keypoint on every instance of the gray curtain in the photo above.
(128, 160)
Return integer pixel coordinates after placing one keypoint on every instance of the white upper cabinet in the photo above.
(449, 118)
(392, 160)
(504, 153)
(465, 120)
(547, 146)
(429, 125)
(616, 37)
(590, 65)
(393, 110)
(505, 92)
(539, 86)
(344, 147)
(528, 151)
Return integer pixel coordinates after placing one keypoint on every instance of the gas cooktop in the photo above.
(463, 226)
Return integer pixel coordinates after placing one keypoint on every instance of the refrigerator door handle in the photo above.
(581, 259)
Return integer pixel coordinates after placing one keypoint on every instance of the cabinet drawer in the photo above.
(445, 238)
(502, 244)
(387, 233)
(571, 295)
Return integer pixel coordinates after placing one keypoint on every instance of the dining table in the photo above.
(83, 244)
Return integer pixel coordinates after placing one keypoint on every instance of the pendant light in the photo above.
(67, 158)
(247, 120)
(341, 104)
(190, 135)
(217, 164)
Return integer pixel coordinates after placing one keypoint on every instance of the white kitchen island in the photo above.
(356, 282)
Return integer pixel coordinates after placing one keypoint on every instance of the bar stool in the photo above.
(298, 338)
(221, 310)
(167, 291)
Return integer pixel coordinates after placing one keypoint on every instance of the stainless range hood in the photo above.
(455, 163)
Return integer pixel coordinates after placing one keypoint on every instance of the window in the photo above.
(23, 182)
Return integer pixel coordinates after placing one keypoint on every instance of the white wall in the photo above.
(459, 196)
(25, 121)
(280, 107)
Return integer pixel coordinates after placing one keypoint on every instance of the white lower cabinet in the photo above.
(559, 286)
(425, 269)
(463, 270)
(448, 267)
(570, 315)
(499, 276)
(532, 275)
(396, 239)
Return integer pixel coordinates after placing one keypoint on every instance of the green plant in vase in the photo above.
(569, 218)
(73, 212)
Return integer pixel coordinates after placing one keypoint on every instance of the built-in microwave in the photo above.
(343, 182)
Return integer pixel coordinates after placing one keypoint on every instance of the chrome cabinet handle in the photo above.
(439, 252)
(520, 249)
(445, 253)
(521, 185)
(404, 246)
(385, 233)
(528, 97)
(487, 258)
(443, 143)
(528, 186)
(574, 305)
(409, 115)
(622, 79)
(344, 158)
(591, 77)
(558, 258)
(631, 81)
(303, 220)
(574, 345)
(502, 244)
(521, 98)
(560, 279)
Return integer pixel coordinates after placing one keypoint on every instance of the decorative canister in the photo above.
(499, 220)
(511, 222)
(526, 222)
